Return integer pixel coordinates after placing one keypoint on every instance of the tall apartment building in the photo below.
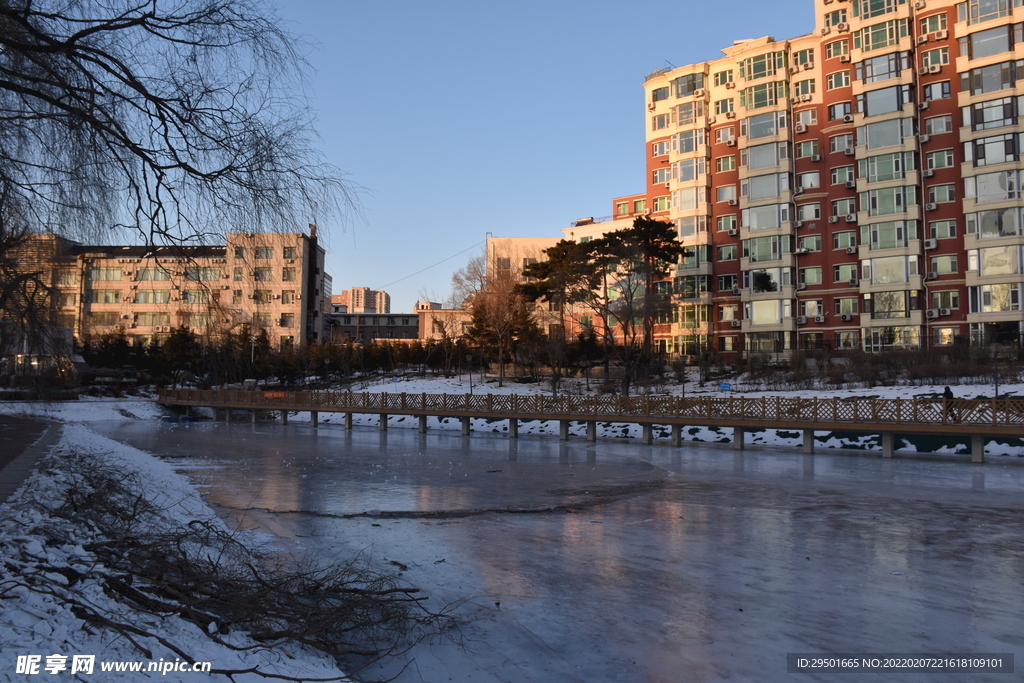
(856, 187)
(363, 300)
(266, 281)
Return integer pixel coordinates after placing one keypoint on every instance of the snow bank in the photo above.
(36, 623)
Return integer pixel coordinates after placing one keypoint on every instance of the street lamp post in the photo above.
(469, 361)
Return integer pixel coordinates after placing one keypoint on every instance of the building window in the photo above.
(263, 274)
(288, 252)
(288, 274)
(840, 79)
(835, 18)
(940, 159)
(686, 85)
(727, 252)
(153, 296)
(661, 148)
(237, 274)
(807, 117)
(659, 94)
(726, 193)
(662, 176)
(764, 95)
(844, 239)
(263, 252)
(991, 150)
(884, 100)
(937, 57)
(808, 180)
(196, 296)
(994, 41)
(288, 296)
(723, 106)
(194, 274)
(936, 22)
(723, 77)
(727, 283)
(262, 296)
(839, 110)
(837, 49)
(808, 212)
(846, 305)
(842, 174)
(882, 67)
(810, 242)
(936, 91)
(840, 143)
(807, 148)
(943, 265)
(946, 299)
(880, 35)
(662, 203)
(622, 209)
(938, 124)
(989, 78)
(239, 252)
(844, 207)
(845, 272)
(725, 163)
(806, 87)
(726, 223)
(725, 134)
(938, 230)
(236, 297)
(639, 206)
(104, 296)
(659, 122)
(939, 194)
(287, 320)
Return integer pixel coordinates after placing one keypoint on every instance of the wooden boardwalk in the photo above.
(977, 419)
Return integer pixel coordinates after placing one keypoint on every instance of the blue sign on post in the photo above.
(724, 386)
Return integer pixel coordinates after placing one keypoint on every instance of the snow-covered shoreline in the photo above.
(41, 623)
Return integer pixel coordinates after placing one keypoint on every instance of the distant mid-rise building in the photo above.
(363, 300)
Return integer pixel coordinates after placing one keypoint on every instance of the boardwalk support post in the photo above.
(465, 426)
(977, 448)
(252, 415)
(563, 430)
(591, 430)
(348, 420)
(383, 424)
(227, 414)
(808, 441)
(423, 424)
(648, 433)
(888, 444)
(738, 435)
(314, 419)
(513, 428)
(677, 435)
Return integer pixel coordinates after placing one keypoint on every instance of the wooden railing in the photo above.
(998, 413)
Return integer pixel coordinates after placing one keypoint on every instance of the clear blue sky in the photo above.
(462, 118)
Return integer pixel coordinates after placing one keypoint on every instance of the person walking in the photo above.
(947, 409)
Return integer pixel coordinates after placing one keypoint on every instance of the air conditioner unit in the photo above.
(819, 318)
(931, 313)
(730, 85)
(736, 291)
(291, 260)
(924, 137)
(851, 250)
(801, 250)
(932, 275)
(733, 232)
(921, 40)
(921, 106)
(825, 31)
(801, 286)
(801, 320)
(733, 202)
(650, 106)
(928, 173)
(737, 323)
(931, 244)
(931, 206)
(851, 184)
(854, 282)
(934, 69)
(794, 69)
(941, 35)
(805, 98)
(846, 317)
(800, 128)
(845, 59)
(808, 66)
(711, 120)
(833, 219)
(944, 311)
(795, 99)
(798, 190)
(730, 143)
(815, 157)
(920, 4)
(226, 287)
(849, 151)
(848, 118)
(851, 218)
(842, 27)
(923, 71)
(699, 92)
(730, 114)
(277, 296)
(798, 224)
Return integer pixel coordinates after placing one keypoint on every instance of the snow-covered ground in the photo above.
(35, 622)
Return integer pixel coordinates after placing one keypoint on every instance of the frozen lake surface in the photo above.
(618, 562)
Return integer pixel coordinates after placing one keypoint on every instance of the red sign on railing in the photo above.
(274, 394)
